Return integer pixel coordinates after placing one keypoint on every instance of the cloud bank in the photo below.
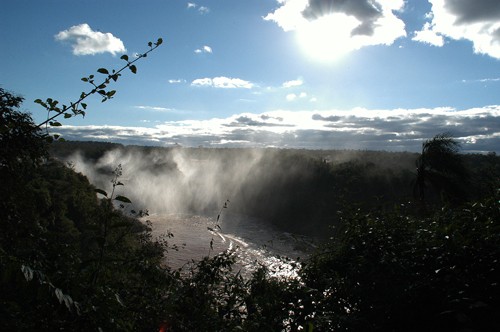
(478, 129)
(85, 41)
(475, 20)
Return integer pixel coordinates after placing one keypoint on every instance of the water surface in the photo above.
(253, 241)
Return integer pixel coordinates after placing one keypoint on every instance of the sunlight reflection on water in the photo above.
(253, 242)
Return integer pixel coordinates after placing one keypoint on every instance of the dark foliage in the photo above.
(392, 272)
(440, 167)
(51, 230)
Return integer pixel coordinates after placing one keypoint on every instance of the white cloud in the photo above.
(204, 49)
(475, 20)
(483, 80)
(200, 9)
(293, 96)
(202, 82)
(427, 35)
(176, 81)
(397, 129)
(155, 108)
(293, 83)
(85, 41)
(365, 22)
(204, 10)
(289, 15)
(223, 82)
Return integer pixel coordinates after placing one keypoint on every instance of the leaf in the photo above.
(85, 79)
(111, 93)
(68, 301)
(39, 101)
(119, 184)
(123, 199)
(103, 71)
(67, 116)
(59, 294)
(84, 105)
(119, 300)
(55, 124)
(159, 41)
(133, 69)
(100, 191)
(28, 272)
(124, 57)
(150, 44)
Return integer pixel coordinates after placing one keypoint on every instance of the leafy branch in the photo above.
(30, 274)
(213, 230)
(78, 107)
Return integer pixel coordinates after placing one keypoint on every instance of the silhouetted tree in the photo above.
(20, 141)
(440, 166)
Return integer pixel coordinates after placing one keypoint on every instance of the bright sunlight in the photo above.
(329, 37)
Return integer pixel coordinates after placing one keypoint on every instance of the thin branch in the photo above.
(97, 88)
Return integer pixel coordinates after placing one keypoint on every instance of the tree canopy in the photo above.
(440, 167)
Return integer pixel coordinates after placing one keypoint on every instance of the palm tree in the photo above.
(440, 166)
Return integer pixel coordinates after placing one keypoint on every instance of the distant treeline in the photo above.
(303, 190)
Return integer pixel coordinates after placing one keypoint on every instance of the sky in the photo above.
(313, 74)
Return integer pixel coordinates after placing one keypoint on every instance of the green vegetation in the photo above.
(72, 261)
(53, 270)
(391, 272)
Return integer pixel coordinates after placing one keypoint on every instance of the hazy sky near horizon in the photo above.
(357, 74)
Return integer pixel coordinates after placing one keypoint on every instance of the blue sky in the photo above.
(357, 74)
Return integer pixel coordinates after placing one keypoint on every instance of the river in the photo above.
(253, 241)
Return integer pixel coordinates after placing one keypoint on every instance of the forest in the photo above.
(410, 242)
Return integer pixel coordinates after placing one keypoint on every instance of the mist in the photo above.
(298, 191)
(174, 180)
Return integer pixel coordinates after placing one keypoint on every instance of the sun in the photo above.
(328, 38)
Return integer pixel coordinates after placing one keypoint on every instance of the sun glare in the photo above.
(328, 38)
